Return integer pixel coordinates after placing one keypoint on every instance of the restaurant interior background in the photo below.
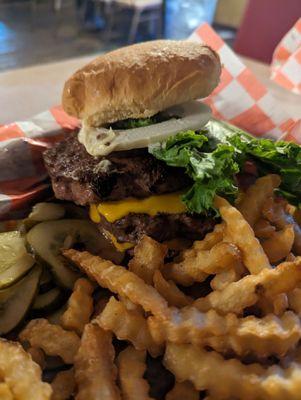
(41, 31)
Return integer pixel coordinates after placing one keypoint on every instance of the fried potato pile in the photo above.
(219, 319)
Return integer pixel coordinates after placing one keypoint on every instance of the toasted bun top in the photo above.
(140, 80)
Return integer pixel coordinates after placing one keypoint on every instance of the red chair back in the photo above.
(265, 22)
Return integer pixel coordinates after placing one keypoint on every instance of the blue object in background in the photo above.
(183, 16)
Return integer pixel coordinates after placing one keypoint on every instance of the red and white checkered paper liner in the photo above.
(286, 63)
(240, 99)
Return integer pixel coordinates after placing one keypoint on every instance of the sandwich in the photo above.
(127, 100)
(149, 158)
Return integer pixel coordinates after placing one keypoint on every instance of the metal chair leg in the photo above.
(134, 25)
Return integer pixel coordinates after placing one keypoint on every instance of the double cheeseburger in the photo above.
(127, 100)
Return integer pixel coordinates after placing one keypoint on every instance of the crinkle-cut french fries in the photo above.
(189, 325)
(5, 392)
(280, 304)
(148, 257)
(63, 385)
(275, 212)
(239, 232)
(119, 280)
(130, 305)
(80, 307)
(174, 272)
(224, 278)
(131, 368)
(229, 379)
(21, 374)
(233, 332)
(255, 196)
(280, 244)
(263, 229)
(37, 355)
(169, 290)
(247, 291)
(262, 337)
(128, 325)
(52, 339)
(276, 305)
(95, 371)
(201, 263)
(294, 300)
(183, 390)
(211, 239)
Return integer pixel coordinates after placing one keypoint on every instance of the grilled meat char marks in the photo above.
(77, 176)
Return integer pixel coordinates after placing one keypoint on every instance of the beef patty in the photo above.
(161, 227)
(79, 177)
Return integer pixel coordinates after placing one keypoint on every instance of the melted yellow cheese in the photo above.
(114, 210)
(94, 214)
(121, 247)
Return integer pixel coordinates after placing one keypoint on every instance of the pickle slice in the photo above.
(15, 301)
(49, 301)
(46, 239)
(46, 212)
(15, 262)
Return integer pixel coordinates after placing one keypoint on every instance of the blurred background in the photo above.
(41, 31)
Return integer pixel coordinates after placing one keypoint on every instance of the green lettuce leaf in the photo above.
(213, 156)
(212, 169)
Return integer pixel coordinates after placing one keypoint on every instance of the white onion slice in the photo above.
(101, 141)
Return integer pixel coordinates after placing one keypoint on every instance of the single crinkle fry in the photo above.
(52, 339)
(5, 392)
(63, 385)
(80, 306)
(128, 325)
(198, 264)
(169, 290)
(229, 379)
(263, 229)
(189, 325)
(240, 233)
(261, 336)
(183, 391)
(21, 374)
(244, 293)
(255, 196)
(95, 371)
(280, 244)
(148, 257)
(274, 211)
(119, 280)
(131, 368)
